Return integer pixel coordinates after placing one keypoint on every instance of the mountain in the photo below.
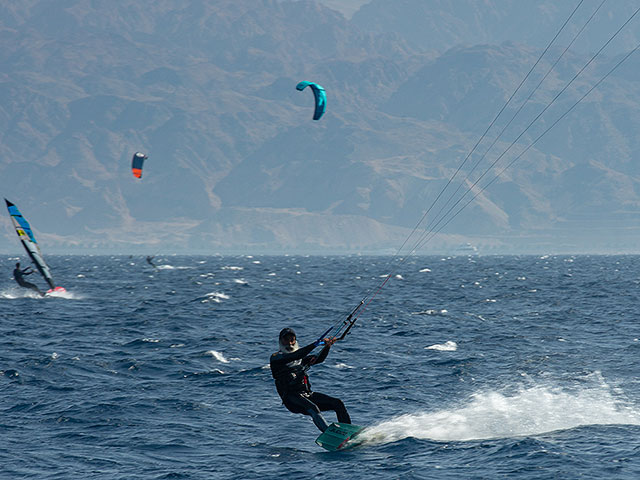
(443, 24)
(236, 164)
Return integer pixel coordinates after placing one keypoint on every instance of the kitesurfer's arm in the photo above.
(24, 272)
(280, 358)
(324, 352)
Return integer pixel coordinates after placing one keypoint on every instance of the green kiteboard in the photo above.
(339, 436)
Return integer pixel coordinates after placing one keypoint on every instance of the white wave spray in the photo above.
(530, 411)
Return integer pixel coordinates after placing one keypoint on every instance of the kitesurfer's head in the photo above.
(287, 340)
(18, 265)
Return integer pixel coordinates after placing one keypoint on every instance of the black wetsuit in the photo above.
(18, 275)
(290, 373)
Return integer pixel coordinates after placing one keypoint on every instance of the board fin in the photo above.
(338, 435)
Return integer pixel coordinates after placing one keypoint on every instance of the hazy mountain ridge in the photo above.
(235, 161)
(444, 24)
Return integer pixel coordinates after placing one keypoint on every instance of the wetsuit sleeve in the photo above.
(284, 358)
(323, 354)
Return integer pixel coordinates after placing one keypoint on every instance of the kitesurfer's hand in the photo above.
(329, 341)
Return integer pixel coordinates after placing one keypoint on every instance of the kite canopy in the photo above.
(136, 164)
(320, 96)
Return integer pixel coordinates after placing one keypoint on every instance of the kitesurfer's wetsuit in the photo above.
(290, 373)
(18, 275)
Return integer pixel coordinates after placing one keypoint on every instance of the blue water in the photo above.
(465, 367)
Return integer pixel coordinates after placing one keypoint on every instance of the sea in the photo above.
(460, 367)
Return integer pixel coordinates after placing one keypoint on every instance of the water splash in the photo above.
(66, 294)
(171, 267)
(530, 411)
(219, 356)
(13, 293)
(448, 346)
(216, 297)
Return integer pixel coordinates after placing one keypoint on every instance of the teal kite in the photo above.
(320, 96)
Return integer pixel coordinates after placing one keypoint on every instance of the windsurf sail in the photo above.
(23, 229)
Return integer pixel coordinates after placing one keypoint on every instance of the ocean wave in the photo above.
(216, 297)
(217, 355)
(448, 346)
(431, 312)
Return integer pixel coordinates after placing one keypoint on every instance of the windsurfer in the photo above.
(18, 275)
(289, 367)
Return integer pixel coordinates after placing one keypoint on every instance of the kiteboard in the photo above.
(339, 436)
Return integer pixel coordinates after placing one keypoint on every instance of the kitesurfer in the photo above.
(289, 367)
(18, 275)
(149, 260)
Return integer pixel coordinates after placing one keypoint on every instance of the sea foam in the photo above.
(448, 346)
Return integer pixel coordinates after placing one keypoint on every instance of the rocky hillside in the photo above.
(207, 91)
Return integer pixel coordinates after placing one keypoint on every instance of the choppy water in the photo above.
(468, 367)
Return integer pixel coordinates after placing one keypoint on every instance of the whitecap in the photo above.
(216, 297)
(399, 277)
(343, 366)
(425, 270)
(231, 268)
(241, 281)
(447, 346)
(431, 311)
(217, 355)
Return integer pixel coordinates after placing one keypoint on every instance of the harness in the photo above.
(292, 380)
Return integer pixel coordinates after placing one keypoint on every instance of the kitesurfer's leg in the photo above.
(325, 403)
(300, 403)
(318, 419)
(31, 286)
